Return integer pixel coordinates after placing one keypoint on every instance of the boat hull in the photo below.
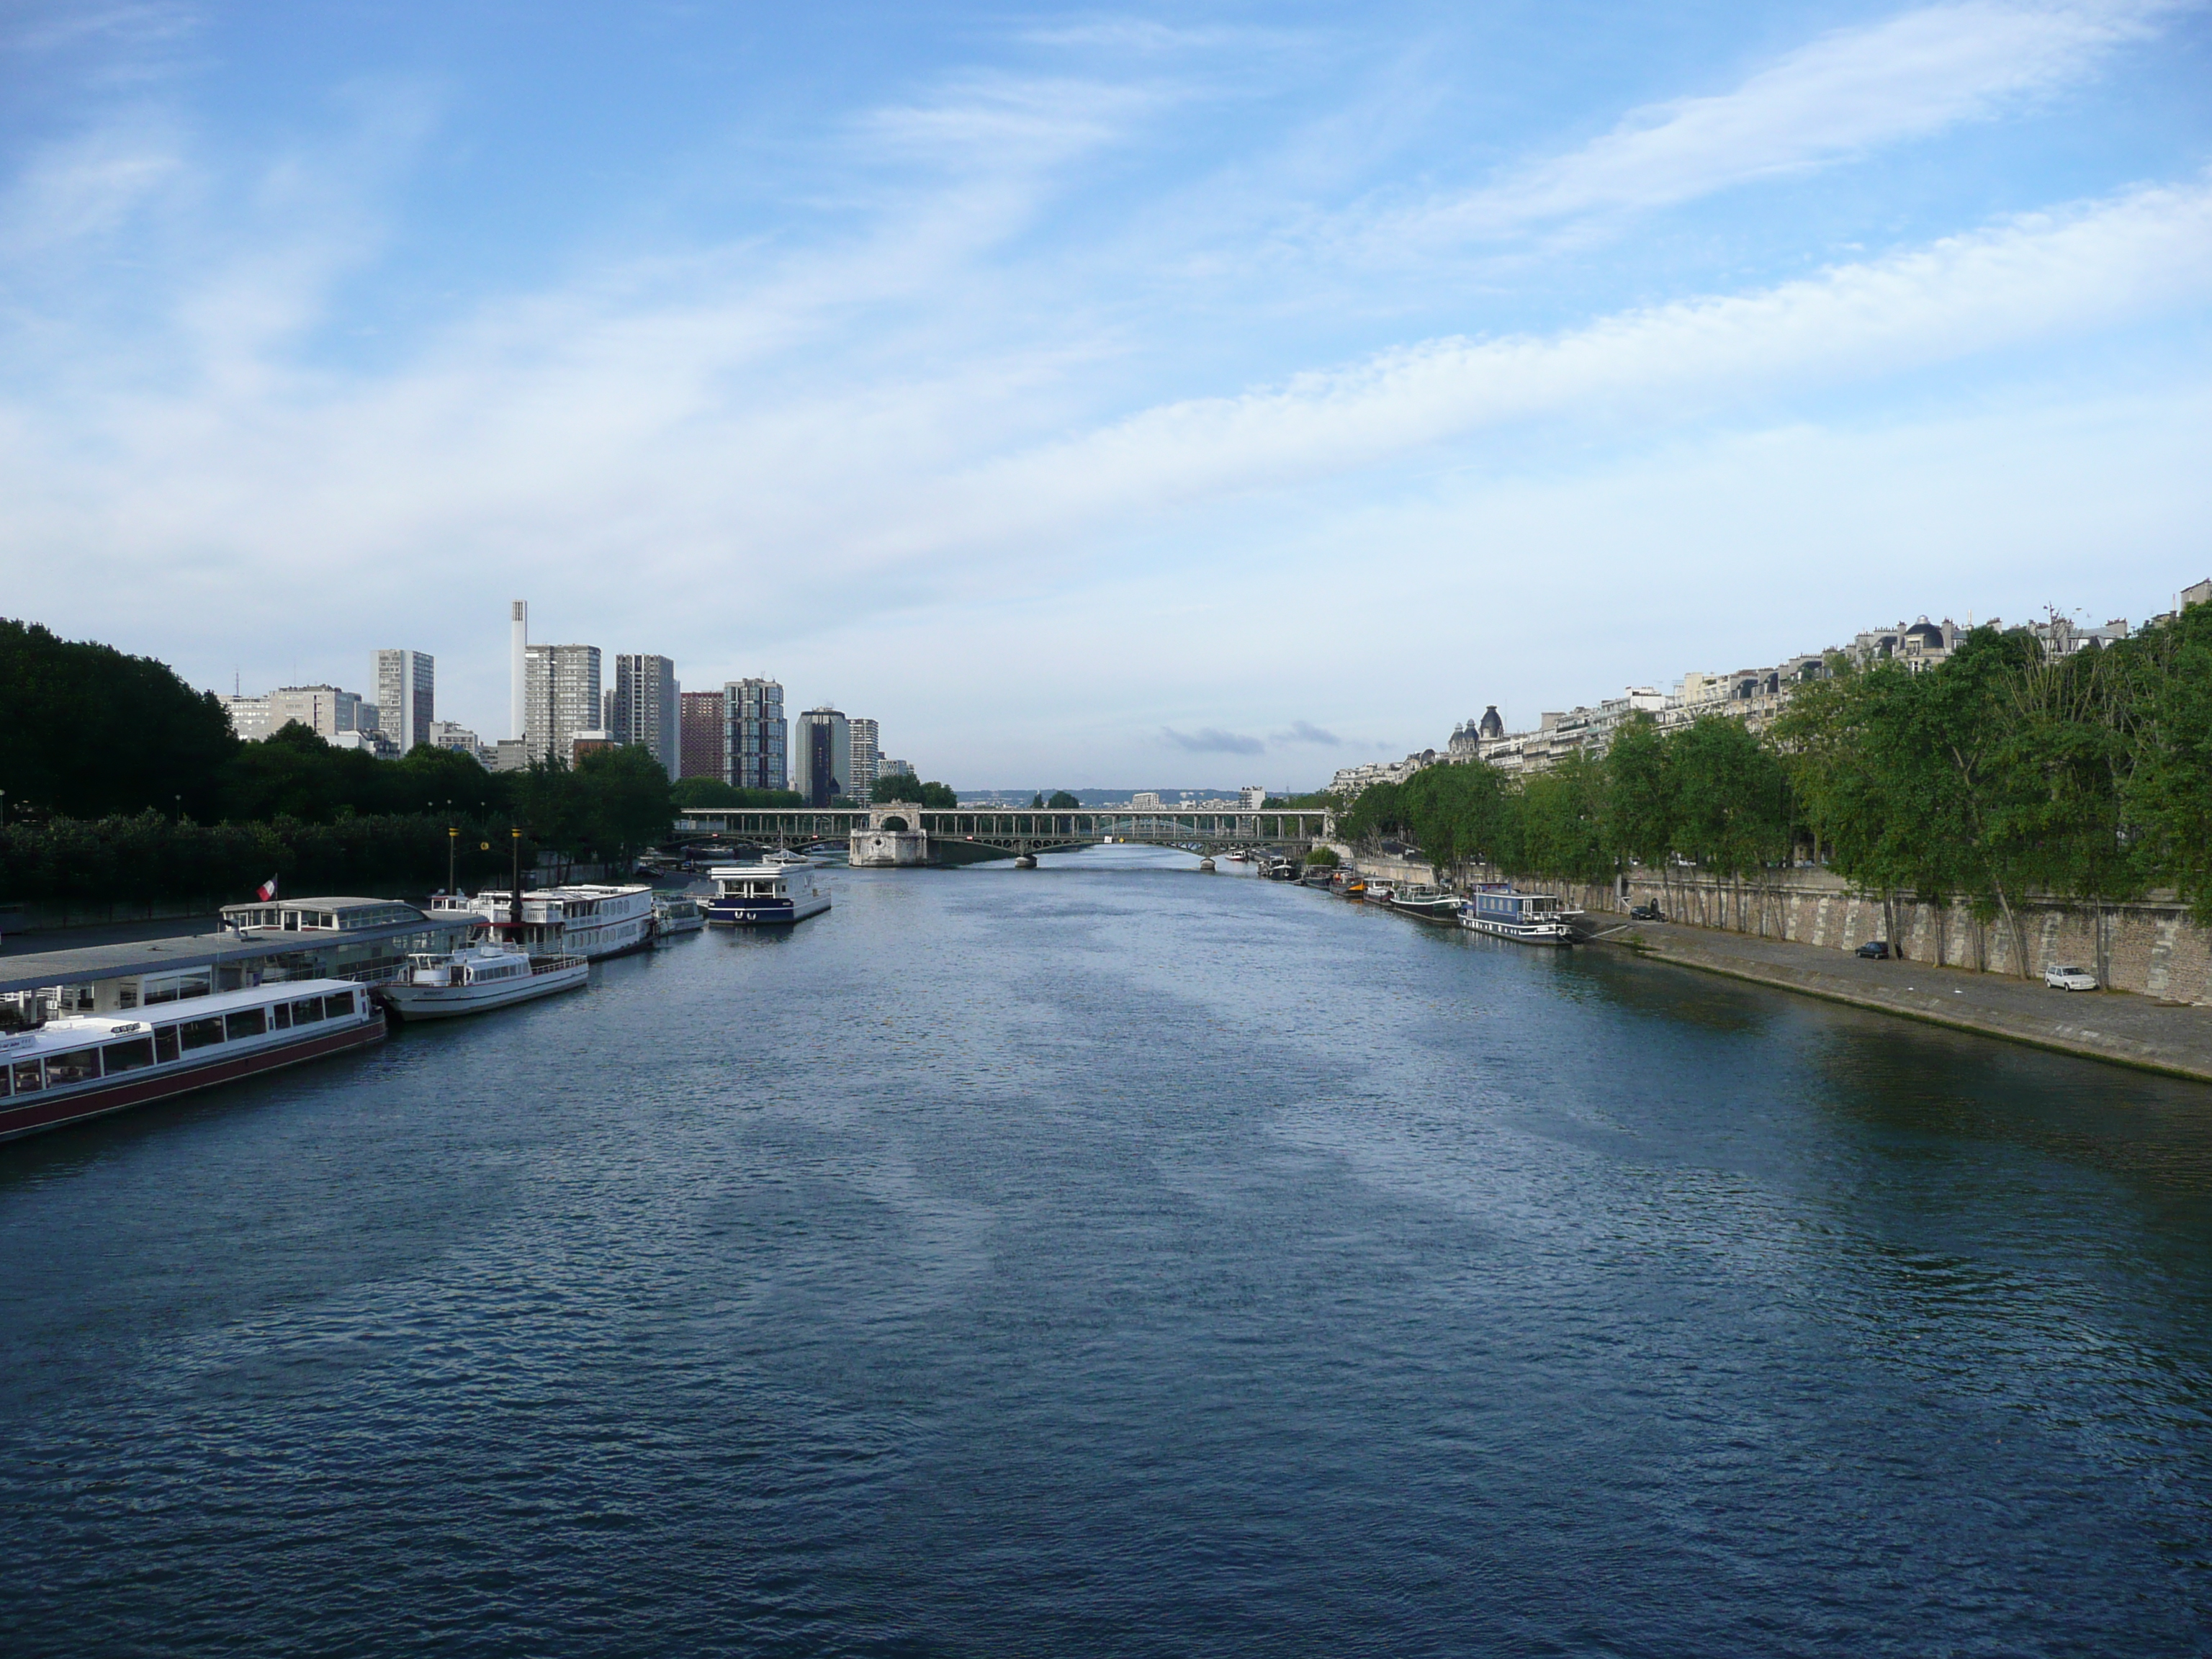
(411, 1003)
(1521, 932)
(33, 1114)
(766, 912)
(1445, 912)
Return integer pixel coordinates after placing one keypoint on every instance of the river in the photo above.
(1110, 1259)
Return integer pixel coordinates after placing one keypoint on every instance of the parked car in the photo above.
(1876, 948)
(1644, 913)
(2068, 977)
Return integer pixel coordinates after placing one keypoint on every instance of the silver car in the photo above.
(2067, 977)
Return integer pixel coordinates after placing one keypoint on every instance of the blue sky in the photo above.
(1098, 396)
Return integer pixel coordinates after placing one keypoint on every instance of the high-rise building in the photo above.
(866, 754)
(702, 737)
(323, 710)
(249, 717)
(406, 696)
(641, 708)
(754, 744)
(563, 698)
(518, 670)
(1251, 798)
(822, 756)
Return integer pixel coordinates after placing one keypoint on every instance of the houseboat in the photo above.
(1429, 904)
(1531, 918)
(585, 920)
(761, 895)
(65, 1070)
(476, 979)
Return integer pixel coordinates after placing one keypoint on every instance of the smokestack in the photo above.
(517, 687)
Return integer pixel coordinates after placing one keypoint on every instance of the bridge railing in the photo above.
(1019, 825)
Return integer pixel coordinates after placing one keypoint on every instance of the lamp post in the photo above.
(514, 908)
(452, 849)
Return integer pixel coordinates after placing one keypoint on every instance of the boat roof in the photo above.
(72, 1029)
(749, 869)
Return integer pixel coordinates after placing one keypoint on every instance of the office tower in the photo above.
(517, 671)
(822, 756)
(703, 737)
(562, 700)
(323, 710)
(641, 708)
(755, 735)
(406, 693)
(249, 717)
(861, 784)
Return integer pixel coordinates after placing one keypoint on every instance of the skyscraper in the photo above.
(755, 756)
(563, 698)
(517, 671)
(866, 754)
(822, 756)
(406, 696)
(704, 737)
(642, 707)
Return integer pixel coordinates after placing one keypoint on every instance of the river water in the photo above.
(1112, 1259)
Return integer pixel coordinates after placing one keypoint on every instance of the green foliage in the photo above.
(1325, 857)
(92, 731)
(1061, 802)
(1037, 801)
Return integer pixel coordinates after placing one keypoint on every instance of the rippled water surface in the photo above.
(1111, 1259)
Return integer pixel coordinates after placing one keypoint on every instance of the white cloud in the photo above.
(1909, 77)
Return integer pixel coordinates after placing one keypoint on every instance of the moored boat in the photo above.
(761, 895)
(1380, 892)
(63, 1071)
(676, 912)
(478, 978)
(584, 920)
(1428, 903)
(1529, 918)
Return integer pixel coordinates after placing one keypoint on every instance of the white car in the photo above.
(2066, 977)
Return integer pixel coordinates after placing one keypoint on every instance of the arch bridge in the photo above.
(896, 833)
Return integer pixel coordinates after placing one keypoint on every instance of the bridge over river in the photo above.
(898, 833)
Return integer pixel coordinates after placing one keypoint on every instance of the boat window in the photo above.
(76, 1065)
(3, 1083)
(128, 1056)
(247, 1022)
(200, 1033)
(165, 1043)
(283, 1012)
(28, 1078)
(309, 1009)
(338, 1006)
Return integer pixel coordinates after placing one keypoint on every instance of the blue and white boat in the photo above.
(761, 896)
(1531, 918)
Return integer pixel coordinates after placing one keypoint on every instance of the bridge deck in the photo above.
(1022, 829)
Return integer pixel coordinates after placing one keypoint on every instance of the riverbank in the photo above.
(2127, 1029)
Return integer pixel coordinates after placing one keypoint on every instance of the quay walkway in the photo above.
(2141, 1031)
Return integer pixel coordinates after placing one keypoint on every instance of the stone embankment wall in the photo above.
(2150, 946)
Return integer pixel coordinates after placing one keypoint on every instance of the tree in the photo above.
(711, 792)
(1037, 801)
(896, 786)
(92, 731)
(626, 801)
(1061, 802)
(939, 797)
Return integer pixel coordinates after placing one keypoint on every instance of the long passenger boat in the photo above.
(69, 1069)
(585, 920)
(1531, 918)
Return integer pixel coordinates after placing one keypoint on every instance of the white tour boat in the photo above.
(1531, 918)
(676, 912)
(760, 895)
(66, 1070)
(585, 920)
(478, 977)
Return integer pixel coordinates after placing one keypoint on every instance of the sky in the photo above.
(1098, 396)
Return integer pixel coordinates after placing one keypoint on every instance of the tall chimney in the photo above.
(518, 686)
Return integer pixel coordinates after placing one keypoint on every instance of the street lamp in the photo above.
(453, 848)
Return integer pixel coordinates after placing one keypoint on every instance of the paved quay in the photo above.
(2132, 1030)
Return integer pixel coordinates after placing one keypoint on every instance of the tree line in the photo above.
(121, 781)
(2002, 775)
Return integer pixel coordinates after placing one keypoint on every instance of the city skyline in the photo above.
(1142, 379)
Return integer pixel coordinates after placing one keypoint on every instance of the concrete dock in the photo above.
(2175, 1038)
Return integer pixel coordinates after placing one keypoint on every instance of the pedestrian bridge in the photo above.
(894, 833)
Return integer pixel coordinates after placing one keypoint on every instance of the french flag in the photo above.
(267, 891)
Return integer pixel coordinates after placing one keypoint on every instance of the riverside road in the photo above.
(1107, 1258)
